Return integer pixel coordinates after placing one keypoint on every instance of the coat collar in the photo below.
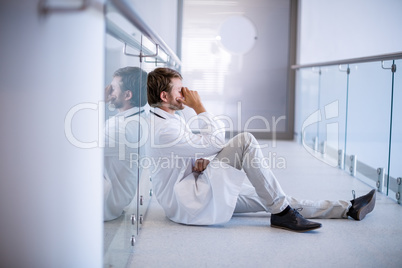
(130, 112)
(164, 114)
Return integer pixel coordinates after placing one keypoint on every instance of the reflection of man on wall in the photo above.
(127, 92)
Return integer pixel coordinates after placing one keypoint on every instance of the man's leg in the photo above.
(323, 209)
(249, 201)
(357, 208)
(243, 152)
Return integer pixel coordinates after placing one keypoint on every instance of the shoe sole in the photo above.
(297, 231)
(367, 209)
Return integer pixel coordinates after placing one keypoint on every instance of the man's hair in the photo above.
(160, 80)
(133, 79)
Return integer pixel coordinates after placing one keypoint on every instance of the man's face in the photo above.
(116, 94)
(175, 94)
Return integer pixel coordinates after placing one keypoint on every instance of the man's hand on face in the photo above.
(192, 100)
(200, 165)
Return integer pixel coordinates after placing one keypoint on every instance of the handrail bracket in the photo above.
(141, 55)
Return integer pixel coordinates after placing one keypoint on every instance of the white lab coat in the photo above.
(188, 197)
(120, 162)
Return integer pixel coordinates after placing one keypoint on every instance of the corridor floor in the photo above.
(247, 240)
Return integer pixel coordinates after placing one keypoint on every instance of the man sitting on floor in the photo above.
(193, 190)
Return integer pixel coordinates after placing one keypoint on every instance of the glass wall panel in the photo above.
(332, 104)
(144, 182)
(369, 103)
(307, 105)
(122, 135)
(396, 139)
(129, 56)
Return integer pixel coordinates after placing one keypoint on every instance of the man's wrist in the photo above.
(199, 109)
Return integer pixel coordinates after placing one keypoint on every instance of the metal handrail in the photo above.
(121, 35)
(382, 57)
(129, 13)
(46, 7)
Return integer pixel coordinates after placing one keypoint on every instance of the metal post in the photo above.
(341, 159)
(381, 179)
(353, 163)
(398, 194)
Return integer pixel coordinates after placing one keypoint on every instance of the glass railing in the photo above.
(129, 43)
(395, 154)
(349, 115)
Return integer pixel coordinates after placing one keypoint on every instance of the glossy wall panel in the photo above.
(321, 98)
(307, 105)
(127, 178)
(369, 104)
(332, 104)
(121, 164)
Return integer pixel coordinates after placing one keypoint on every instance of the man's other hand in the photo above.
(200, 165)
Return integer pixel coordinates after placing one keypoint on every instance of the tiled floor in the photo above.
(247, 240)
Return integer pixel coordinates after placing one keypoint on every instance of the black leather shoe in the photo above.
(362, 206)
(293, 221)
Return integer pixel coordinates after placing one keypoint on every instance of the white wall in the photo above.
(342, 29)
(51, 191)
